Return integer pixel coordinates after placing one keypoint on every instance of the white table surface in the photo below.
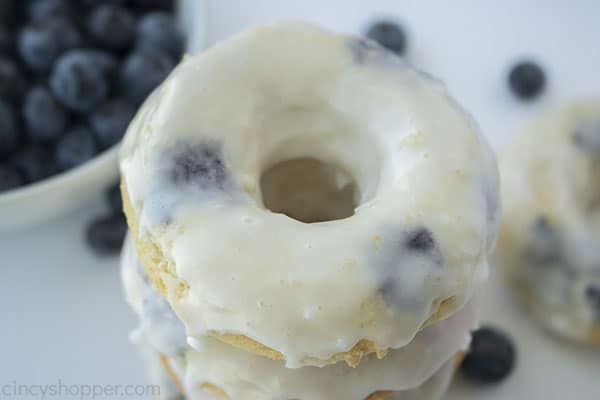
(62, 311)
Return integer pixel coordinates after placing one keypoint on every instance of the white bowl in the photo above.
(63, 192)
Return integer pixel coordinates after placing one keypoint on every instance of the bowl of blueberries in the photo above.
(72, 75)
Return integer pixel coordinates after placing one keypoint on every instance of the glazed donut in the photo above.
(160, 375)
(308, 196)
(158, 327)
(432, 389)
(232, 369)
(549, 246)
(210, 365)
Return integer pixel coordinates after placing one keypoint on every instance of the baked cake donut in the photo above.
(163, 373)
(201, 368)
(308, 197)
(549, 245)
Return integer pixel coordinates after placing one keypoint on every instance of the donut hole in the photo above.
(311, 162)
(309, 190)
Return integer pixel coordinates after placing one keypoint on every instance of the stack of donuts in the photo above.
(310, 219)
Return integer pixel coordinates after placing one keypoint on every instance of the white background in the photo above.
(62, 314)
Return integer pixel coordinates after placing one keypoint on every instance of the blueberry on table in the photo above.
(34, 163)
(45, 119)
(110, 121)
(527, 80)
(142, 72)
(389, 35)
(111, 26)
(12, 82)
(491, 356)
(113, 197)
(41, 10)
(9, 178)
(9, 129)
(158, 30)
(78, 81)
(105, 235)
(74, 148)
(41, 44)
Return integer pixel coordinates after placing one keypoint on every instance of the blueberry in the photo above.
(142, 72)
(491, 356)
(157, 30)
(78, 81)
(9, 129)
(34, 163)
(544, 245)
(587, 136)
(113, 197)
(106, 62)
(9, 178)
(527, 80)
(105, 235)
(91, 3)
(109, 121)
(41, 44)
(6, 41)
(150, 5)
(112, 27)
(74, 148)
(200, 165)
(389, 35)
(41, 10)
(420, 240)
(10, 13)
(44, 117)
(592, 294)
(12, 82)
(389, 291)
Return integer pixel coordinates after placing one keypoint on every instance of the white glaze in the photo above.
(157, 375)
(159, 326)
(312, 290)
(546, 174)
(243, 375)
(433, 389)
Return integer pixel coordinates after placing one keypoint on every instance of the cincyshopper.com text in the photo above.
(63, 390)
